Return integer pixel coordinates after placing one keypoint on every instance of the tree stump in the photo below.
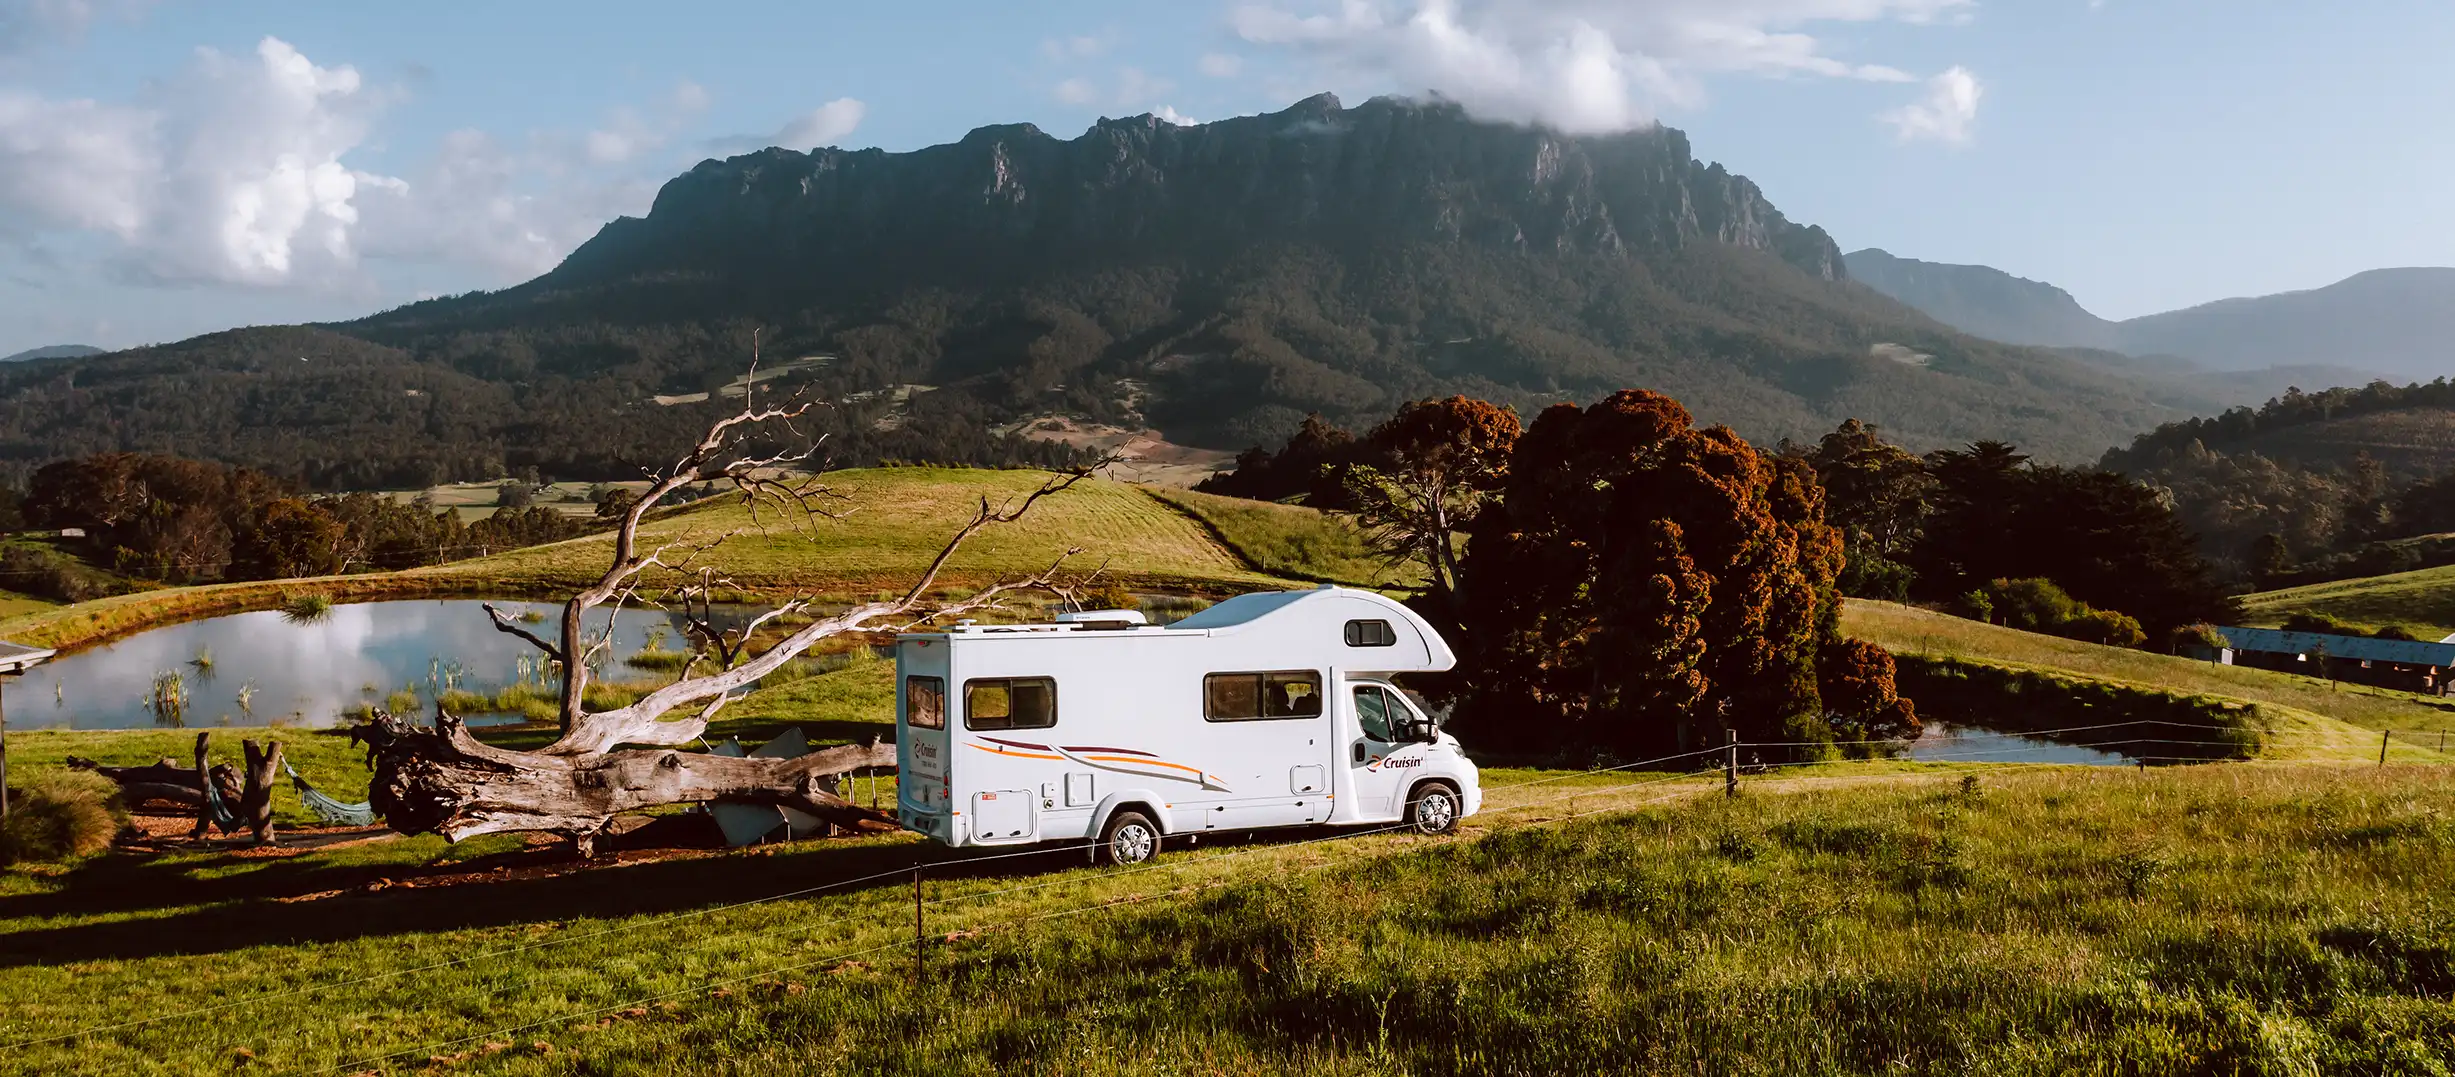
(256, 801)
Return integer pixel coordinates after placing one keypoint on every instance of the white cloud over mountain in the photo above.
(1577, 65)
(236, 170)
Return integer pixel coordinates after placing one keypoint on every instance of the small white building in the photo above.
(1267, 710)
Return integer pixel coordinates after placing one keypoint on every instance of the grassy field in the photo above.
(13, 604)
(894, 521)
(2242, 918)
(1291, 540)
(2423, 600)
(2306, 708)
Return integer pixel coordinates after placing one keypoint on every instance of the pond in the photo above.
(1945, 742)
(265, 669)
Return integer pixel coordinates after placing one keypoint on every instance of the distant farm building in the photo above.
(2409, 665)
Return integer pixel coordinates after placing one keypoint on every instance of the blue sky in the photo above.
(174, 167)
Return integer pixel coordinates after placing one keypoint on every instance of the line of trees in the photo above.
(1630, 584)
(173, 520)
(1944, 526)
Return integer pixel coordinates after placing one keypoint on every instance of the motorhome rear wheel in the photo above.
(1132, 839)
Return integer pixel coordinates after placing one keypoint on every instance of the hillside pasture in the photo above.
(2423, 599)
(2225, 918)
(1292, 540)
(2311, 707)
(888, 524)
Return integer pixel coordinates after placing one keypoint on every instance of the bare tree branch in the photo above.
(504, 622)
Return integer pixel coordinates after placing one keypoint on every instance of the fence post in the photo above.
(919, 945)
(2383, 734)
(1730, 762)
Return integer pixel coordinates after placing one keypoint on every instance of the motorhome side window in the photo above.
(1010, 703)
(1371, 634)
(1247, 697)
(925, 702)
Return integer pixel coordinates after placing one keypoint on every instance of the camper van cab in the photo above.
(1266, 710)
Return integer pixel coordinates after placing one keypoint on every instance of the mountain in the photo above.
(1984, 301)
(1218, 281)
(2400, 322)
(2397, 323)
(52, 351)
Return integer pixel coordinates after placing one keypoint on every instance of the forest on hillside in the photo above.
(2312, 486)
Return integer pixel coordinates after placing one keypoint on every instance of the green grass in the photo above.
(2302, 710)
(13, 604)
(2240, 918)
(894, 522)
(1291, 540)
(2423, 599)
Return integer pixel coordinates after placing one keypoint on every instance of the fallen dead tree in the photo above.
(625, 759)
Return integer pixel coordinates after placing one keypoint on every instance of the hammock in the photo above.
(326, 808)
(215, 810)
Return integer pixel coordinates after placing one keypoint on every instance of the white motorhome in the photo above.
(1267, 710)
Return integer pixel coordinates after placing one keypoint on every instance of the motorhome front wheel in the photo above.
(1435, 810)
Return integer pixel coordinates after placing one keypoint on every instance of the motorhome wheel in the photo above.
(1132, 839)
(1434, 809)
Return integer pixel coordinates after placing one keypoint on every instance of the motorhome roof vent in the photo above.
(1102, 618)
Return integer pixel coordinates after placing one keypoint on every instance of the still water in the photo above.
(263, 668)
(1943, 742)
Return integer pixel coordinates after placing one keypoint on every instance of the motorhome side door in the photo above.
(1380, 772)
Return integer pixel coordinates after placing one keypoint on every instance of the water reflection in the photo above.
(262, 668)
(1944, 741)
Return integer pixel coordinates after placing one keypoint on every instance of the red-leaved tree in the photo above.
(1643, 585)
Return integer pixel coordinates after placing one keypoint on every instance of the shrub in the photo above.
(2034, 603)
(2321, 623)
(2110, 627)
(60, 815)
(2204, 635)
(37, 569)
(1107, 597)
(2038, 605)
(1868, 574)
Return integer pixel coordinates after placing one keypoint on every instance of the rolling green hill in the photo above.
(2307, 717)
(2423, 600)
(892, 521)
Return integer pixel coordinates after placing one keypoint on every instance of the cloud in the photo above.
(1079, 46)
(231, 172)
(826, 125)
(26, 25)
(1945, 114)
(1131, 90)
(476, 203)
(1220, 65)
(81, 163)
(1076, 91)
(823, 126)
(1170, 114)
(236, 170)
(628, 134)
(1577, 65)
